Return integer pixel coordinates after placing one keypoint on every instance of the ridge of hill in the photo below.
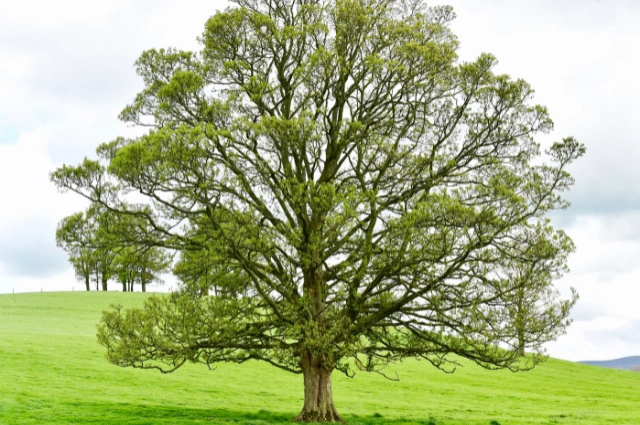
(54, 372)
(627, 363)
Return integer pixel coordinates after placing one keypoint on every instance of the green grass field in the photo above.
(52, 371)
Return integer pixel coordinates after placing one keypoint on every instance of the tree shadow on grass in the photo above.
(150, 414)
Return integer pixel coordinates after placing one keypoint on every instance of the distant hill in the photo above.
(627, 363)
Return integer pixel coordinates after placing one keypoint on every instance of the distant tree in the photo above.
(74, 235)
(206, 272)
(196, 268)
(125, 268)
(141, 266)
(83, 265)
(91, 251)
(105, 269)
(368, 186)
(132, 263)
(153, 263)
(205, 275)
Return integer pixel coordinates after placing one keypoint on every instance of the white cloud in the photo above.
(66, 71)
(48, 15)
(31, 208)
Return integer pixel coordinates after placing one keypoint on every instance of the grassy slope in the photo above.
(54, 372)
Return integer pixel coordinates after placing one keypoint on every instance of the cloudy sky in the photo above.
(66, 71)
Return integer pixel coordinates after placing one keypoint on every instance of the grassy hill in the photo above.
(54, 372)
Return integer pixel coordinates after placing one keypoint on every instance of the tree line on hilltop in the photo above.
(100, 251)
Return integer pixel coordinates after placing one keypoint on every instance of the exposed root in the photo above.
(307, 416)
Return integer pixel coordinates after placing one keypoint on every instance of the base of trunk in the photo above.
(318, 396)
(317, 416)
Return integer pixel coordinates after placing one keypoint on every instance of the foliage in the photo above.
(205, 272)
(532, 280)
(367, 191)
(140, 265)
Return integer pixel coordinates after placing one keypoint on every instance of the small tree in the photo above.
(153, 263)
(83, 265)
(74, 236)
(208, 276)
(125, 268)
(84, 237)
(204, 271)
(140, 265)
(367, 187)
(133, 263)
(104, 259)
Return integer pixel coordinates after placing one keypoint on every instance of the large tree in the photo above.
(368, 194)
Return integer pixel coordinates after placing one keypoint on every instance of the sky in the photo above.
(66, 71)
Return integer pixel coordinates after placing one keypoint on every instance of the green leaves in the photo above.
(86, 174)
(341, 185)
(169, 331)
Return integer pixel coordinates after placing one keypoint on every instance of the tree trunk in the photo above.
(521, 322)
(144, 286)
(87, 282)
(521, 343)
(124, 286)
(316, 369)
(318, 397)
(521, 351)
(103, 278)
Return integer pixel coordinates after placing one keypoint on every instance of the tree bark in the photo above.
(87, 282)
(318, 396)
(144, 286)
(521, 322)
(521, 343)
(104, 283)
(124, 286)
(521, 350)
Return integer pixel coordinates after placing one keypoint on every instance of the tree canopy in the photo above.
(367, 196)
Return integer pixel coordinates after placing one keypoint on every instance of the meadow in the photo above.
(52, 371)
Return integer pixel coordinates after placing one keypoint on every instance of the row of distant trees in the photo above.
(104, 247)
(99, 254)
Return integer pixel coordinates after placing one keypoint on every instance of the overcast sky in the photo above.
(66, 71)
